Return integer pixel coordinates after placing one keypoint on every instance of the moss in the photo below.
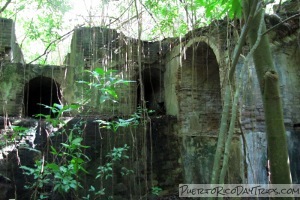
(6, 90)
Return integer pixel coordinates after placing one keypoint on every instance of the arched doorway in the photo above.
(153, 90)
(200, 108)
(200, 95)
(40, 90)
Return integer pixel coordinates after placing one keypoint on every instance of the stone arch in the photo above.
(200, 95)
(41, 90)
(152, 79)
(201, 40)
(200, 107)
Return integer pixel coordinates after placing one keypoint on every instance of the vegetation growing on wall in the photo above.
(48, 30)
(62, 174)
(39, 22)
(245, 19)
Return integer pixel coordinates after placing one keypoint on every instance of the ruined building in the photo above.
(182, 80)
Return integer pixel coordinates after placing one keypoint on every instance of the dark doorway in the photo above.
(153, 91)
(41, 90)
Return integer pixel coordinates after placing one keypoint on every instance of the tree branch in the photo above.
(5, 6)
(241, 41)
(121, 13)
(279, 7)
(151, 15)
(52, 42)
(277, 25)
(235, 104)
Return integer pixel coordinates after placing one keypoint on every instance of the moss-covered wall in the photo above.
(11, 88)
(14, 81)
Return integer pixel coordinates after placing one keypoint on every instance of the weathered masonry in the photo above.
(182, 80)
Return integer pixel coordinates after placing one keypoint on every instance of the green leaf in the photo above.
(65, 145)
(73, 185)
(101, 192)
(54, 152)
(56, 187)
(108, 176)
(156, 190)
(66, 188)
(83, 169)
(92, 189)
(112, 92)
(236, 9)
(53, 166)
(98, 176)
(56, 105)
(63, 168)
(77, 141)
(19, 128)
(74, 106)
(100, 71)
(29, 170)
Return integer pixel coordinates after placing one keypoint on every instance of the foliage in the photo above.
(57, 110)
(41, 20)
(134, 120)
(114, 125)
(96, 193)
(63, 173)
(104, 82)
(217, 9)
(156, 190)
(174, 18)
(14, 135)
(167, 13)
(106, 171)
(185, 15)
(116, 156)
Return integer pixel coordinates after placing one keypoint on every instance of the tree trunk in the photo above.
(221, 138)
(269, 87)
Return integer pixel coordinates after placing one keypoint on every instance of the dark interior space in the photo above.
(152, 79)
(40, 90)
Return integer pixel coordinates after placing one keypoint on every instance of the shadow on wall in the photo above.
(40, 90)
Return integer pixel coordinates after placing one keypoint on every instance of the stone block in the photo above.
(260, 118)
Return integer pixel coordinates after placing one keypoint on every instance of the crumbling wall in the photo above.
(11, 88)
(9, 48)
(195, 71)
(180, 78)
(107, 49)
(6, 26)
(10, 75)
(14, 79)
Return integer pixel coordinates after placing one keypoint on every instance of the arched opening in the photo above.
(200, 108)
(40, 90)
(153, 90)
(200, 89)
